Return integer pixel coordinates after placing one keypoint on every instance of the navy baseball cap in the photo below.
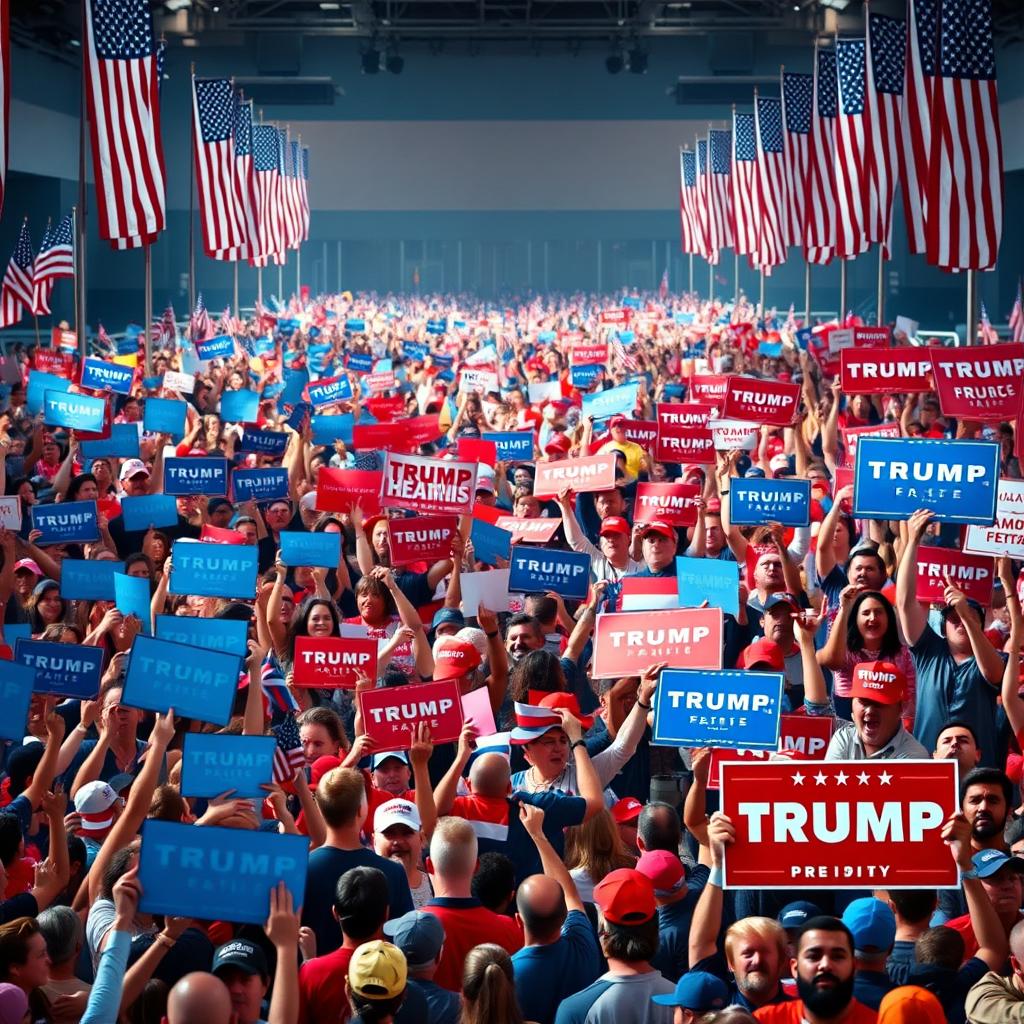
(796, 915)
(448, 616)
(244, 955)
(418, 935)
(754, 471)
(988, 862)
(698, 991)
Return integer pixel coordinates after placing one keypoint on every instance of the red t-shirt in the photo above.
(468, 924)
(322, 998)
(377, 797)
(966, 929)
(793, 1013)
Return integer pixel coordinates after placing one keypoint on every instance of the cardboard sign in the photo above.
(647, 593)
(38, 384)
(642, 432)
(537, 570)
(685, 445)
(332, 662)
(956, 479)
(221, 347)
(614, 316)
(477, 381)
(529, 531)
(423, 484)
(489, 589)
(753, 502)
(240, 406)
(852, 434)
(382, 436)
(584, 376)
(87, 580)
(59, 364)
(132, 597)
(475, 449)
(620, 401)
(512, 446)
(718, 709)
(489, 542)
(973, 574)
(212, 764)
(149, 510)
(68, 670)
(210, 534)
(586, 354)
(684, 414)
(164, 416)
(99, 375)
(264, 442)
(773, 402)
(15, 694)
(228, 635)
(1006, 535)
(218, 874)
(10, 512)
(840, 339)
(69, 522)
(904, 325)
(214, 570)
(675, 504)
(981, 382)
(327, 430)
(544, 391)
(315, 549)
(330, 391)
(375, 382)
(391, 713)
(421, 539)
(590, 473)
(733, 435)
(266, 484)
(75, 412)
(626, 643)
(185, 383)
(803, 736)
(196, 475)
(839, 824)
(337, 489)
(123, 443)
(197, 683)
(709, 388)
(885, 371)
(871, 337)
(708, 579)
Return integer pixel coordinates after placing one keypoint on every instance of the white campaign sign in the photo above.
(1006, 535)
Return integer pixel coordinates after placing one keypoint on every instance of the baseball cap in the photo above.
(762, 652)
(988, 862)
(664, 870)
(377, 970)
(691, 469)
(778, 462)
(446, 617)
(625, 897)
(698, 991)
(617, 421)
(873, 924)
(397, 812)
(378, 759)
(485, 483)
(94, 802)
(244, 955)
(418, 935)
(658, 526)
(29, 564)
(911, 1004)
(754, 471)
(558, 443)
(132, 467)
(216, 503)
(454, 658)
(880, 681)
(614, 524)
(627, 809)
(796, 915)
(781, 597)
(533, 720)
(120, 782)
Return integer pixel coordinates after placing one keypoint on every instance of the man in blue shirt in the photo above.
(659, 544)
(420, 937)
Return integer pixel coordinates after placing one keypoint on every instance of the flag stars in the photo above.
(798, 779)
(820, 779)
(885, 778)
(841, 778)
(863, 778)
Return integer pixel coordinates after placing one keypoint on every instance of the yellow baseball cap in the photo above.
(377, 970)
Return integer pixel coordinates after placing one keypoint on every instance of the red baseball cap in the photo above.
(880, 681)
(664, 870)
(627, 809)
(454, 658)
(625, 897)
(658, 526)
(558, 443)
(614, 524)
(762, 652)
(616, 421)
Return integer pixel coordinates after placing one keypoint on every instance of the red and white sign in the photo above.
(588, 355)
(220, 535)
(528, 531)
(423, 484)
(333, 662)
(591, 473)
(871, 337)
(421, 538)
(684, 414)
(477, 381)
(973, 574)
(840, 339)
(709, 387)
(685, 444)
(385, 407)
(383, 381)
(761, 401)
(642, 432)
(421, 430)
(614, 316)
(625, 643)
(839, 824)
(1006, 535)
(675, 504)
(337, 489)
(733, 435)
(851, 434)
(60, 364)
(391, 713)
(648, 593)
(474, 449)
(62, 339)
(368, 437)
(885, 371)
(984, 382)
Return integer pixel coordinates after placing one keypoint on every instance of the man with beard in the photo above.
(398, 835)
(823, 968)
(957, 742)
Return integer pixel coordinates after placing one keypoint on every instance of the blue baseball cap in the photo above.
(872, 922)
(988, 862)
(754, 471)
(378, 759)
(418, 935)
(796, 915)
(448, 616)
(698, 991)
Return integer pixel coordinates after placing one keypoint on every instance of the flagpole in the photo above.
(971, 334)
(35, 317)
(736, 277)
(237, 315)
(147, 255)
(80, 218)
(881, 283)
(807, 292)
(74, 260)
(842, 290)
(191, 202)
(762, 293)
(690, 289)
(711, 282)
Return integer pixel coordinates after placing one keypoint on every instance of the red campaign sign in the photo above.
(385, 436)
(67, 340)
(588, 355)
(422, 430)
(385, 407)
(805, 736)
(685, 444)
(642, 432)
(591, 473)
(683, 414)
(383, 381)
(60, 364)
(626, 643)
(424, 484)
(871, 337)
(710, 388)
(851, 434)
(844, 478)
(421, 539)
(528, 531)
(391, 713)
(761, 401)
(675, 504)
(332, 662)
(220, 535)
(336, 489)
(984, 382)
(614, 316)
(973, 574)
(474, 449)
(839, 824)
(885, 371)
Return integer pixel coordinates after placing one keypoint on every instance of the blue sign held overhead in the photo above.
(67, 670)
(221, 347)
(99, 375)
(264, 442)
(39, 382)
(214, 570)
(738, 710)
(537, 570)
(512, 445)
(148, 510)
(86, 580)
(260, 484)
(131, 597)
(239, 406)
(123, 443)
(756, 501)
(612, 402)
(328, 429)
(318, 549)
(74, 412)
(330, 391)
(360, 362)
(69, 522)
(228, 635)
(957, 480)
(212, 764)
(164, 416)
(355, 325)
(585, 375)
(415, 351)
(196, 475)
(708, 579)
(490, 542)
(15, 696)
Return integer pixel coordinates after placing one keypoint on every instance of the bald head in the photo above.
(199, 998)
(490, 775)
(1017, 941)
(541, 905)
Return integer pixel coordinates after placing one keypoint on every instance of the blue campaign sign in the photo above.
(15, 696)
(212, 764)
(444, 359)
(360, 362)
(632, 301)
(803, 337)
(224, 873)
(708, 579)
(99, 375)
(196, 475)
(328, 392)
(221, 347)
(239, 406)
(264, 442)
(196, 682)
(684, 318)
(299, 412)
(355, 325)
(262, 345)
(437, 326)
(82, 580)
(328, 429)
(69, 522)
(214, 570)
(612, 402)
(585, 375)
(770, 349)
(490, 542)
(512, 445)
(755, 501)
(957, 480)
(295, 382)
(131, 597)
(229, 635)
(415, 350)
(260, 484)
(734, 709)
(39, 382)
(123, 443)
(67, 670)
(164, 416)
(537, 570)
(301, 548)
(75, 412)
(148, 510)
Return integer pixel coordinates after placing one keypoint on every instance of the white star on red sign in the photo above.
(841, 778)
(863, 778)
(798, 779)
(820, 778)
(885, 778)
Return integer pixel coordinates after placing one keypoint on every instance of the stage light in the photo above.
(614, 63)
(638, 62)
(371, 61)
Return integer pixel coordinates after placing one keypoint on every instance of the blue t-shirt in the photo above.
(674, 919)
(547, 975)
(619, 999)
(442, 1005)
(560, 812)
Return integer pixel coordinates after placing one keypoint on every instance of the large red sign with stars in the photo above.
(839, 824)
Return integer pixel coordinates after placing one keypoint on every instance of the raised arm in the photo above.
(587, 780)
(497, 657)
(420, 750)
(833, 654)
(1013, 704)
(913, 619)
(551, 864)
(824, 556)
(446, 790)
(985, 654)
(282, 929)
(707, 915)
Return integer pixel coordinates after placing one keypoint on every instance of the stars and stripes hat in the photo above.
(94, 802)
(533, 720)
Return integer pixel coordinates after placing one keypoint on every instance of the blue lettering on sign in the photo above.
(757, 501)
(228, 635)
(260, 484)
(536, 570)
(82, 580)
(68, 670)
(100, 375)
(213, 764)
(196, 475)
(512, 446)
(214, 570)
(15, 695)
(66, 523)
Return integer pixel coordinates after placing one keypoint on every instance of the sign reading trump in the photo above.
(423, 484)
(625, 644)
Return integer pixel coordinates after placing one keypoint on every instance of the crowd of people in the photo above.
(553, 866)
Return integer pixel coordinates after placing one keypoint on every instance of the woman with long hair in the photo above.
(45, 607)
(488, 988)
(594, 849)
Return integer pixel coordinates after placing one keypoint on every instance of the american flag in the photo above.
(771, 181)
(304, 191)
(16, 291)
(288, 755)
(688, 201)
(105, 341)
(797, 94)
(965, 167)
(701, 194)
(744, 184)
(289, 209)
(988, 332)
(168, 326)
(55, 259)
(820, 215)
(1017, 316)
(851, 150)
(5, 92)
(273, 685)
(243, 182)
(619, 351)
(124, 121)
(266, 191)
(200, 327)
(213, 109)
(295, 193)
(886, 41)
(719, 192)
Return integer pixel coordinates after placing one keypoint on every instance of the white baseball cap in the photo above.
(94, 802)
(397, 812)
(132, 467)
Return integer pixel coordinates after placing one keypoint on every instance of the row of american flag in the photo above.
(29, 279)
(816, 167)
